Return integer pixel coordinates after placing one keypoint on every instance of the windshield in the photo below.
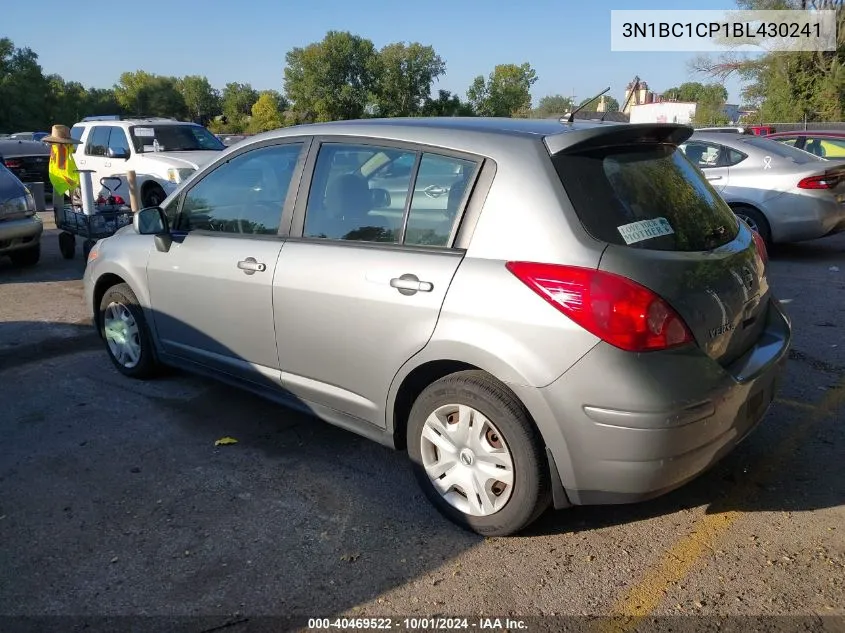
(782, 150)
(645, 196)
(173, 138)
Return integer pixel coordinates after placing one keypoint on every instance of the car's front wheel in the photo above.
(124, 330)
(477, 455)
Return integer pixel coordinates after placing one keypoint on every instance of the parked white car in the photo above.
(162, 152)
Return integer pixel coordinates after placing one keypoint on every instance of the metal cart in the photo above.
(108, 216)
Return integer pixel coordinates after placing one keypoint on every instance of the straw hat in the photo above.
(60, 134)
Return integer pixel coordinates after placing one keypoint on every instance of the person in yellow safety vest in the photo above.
(63, 173)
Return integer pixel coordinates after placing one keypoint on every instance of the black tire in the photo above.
(531, 494)
(28, 257)
(67, 244)
(153, 196)
(87, 245)
(755, 219)
(147, 365)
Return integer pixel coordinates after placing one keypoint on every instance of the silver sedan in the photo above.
(786, 194)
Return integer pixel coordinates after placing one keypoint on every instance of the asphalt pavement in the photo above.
(115, 501)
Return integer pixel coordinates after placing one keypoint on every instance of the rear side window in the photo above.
(800, 157)
(645, 196)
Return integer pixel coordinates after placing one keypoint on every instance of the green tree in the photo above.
(100, 101)
(506, 91)
(695, 91)
(551, 105)
(267, 112)
(710, 106)
(332, 79)
(788, 86)
(446, 104)
(404, 75)
(200, 98)
(67, 101)
(237, 105)
(144, 94)
(23, 89)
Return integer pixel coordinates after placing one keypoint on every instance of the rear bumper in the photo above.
(16, 235)
(631, 427)
(798, 218)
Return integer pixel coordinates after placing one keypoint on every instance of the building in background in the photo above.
(682, 112)
(643, 105)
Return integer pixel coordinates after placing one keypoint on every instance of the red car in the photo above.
(824, 143)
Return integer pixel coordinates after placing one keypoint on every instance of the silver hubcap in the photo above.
(122, 335)
(467, 460)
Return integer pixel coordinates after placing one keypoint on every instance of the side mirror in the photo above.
(381, 198)
(153, 221)
(120, 153)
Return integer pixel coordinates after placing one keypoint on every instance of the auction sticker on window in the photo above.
(645, 230)
(144, 131)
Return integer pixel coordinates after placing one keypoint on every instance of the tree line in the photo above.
(343, 76)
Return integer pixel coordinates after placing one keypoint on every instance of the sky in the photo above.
(566, 41)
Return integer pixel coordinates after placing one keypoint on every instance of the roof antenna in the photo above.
(585, 104)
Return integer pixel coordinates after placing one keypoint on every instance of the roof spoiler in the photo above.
(602, 135)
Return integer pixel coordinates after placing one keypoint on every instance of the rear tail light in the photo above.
(818, 182)
(760, 243)
(12, 163)
(617, 310)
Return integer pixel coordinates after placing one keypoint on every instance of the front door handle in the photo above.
(250, 266)
(409, 284)
(714, 177)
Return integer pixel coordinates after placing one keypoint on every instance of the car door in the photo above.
(92, 155)
(710, 158)
(357, 293)
(212, 291)
(115, 166)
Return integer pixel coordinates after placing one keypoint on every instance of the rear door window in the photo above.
(645, 196)
(780, 150)
(98, 141)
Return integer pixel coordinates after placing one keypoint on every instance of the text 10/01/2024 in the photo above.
(416, 624)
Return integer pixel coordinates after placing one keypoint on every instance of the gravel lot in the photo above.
(115, 501)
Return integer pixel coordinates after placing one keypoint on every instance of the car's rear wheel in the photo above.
(124, 330)
(755, 220)
(477, 455)
(27, 257)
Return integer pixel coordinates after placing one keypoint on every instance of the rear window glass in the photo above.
(645, 196)
(782, 150)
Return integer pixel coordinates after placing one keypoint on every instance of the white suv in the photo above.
(162, 152)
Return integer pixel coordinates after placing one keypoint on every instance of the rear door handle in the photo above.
(714, 177)
(250, 266)
(410, 284)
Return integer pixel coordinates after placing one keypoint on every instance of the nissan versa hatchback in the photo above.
(540, 313)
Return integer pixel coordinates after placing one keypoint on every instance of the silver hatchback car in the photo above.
(554, 314)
